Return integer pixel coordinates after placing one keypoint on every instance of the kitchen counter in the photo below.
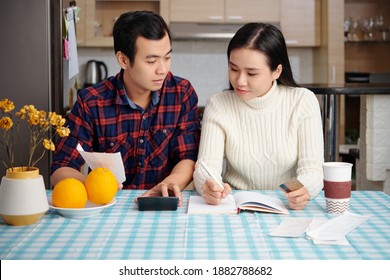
(329, 107)
(349, 88)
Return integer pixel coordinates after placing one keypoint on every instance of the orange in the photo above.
(101, 185)
(69, 193)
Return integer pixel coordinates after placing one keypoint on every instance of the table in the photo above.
(329, 108)
(123, 232)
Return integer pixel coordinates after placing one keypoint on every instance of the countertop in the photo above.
(349, 88)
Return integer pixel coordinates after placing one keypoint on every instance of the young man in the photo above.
(144, 112)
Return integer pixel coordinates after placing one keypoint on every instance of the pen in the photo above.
(206, 168)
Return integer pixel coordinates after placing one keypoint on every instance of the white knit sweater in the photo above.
(260, 143)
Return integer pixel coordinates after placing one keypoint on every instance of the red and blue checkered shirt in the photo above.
(151, 141)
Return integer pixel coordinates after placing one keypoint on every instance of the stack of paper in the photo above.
(334, 231)
(322, 231)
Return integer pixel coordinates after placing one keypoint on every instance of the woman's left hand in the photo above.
(297, 200)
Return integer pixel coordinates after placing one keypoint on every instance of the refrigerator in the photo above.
(33, 69)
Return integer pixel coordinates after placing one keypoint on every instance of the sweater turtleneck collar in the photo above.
(266, 100)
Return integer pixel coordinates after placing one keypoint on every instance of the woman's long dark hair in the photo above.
(267, 39)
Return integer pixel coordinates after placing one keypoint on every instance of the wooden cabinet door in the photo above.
(252, 11)
(300, 22)
(100, 15)
(197, 10)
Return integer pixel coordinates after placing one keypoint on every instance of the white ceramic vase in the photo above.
(23, 199)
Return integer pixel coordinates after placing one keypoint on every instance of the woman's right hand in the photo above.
(212, 192)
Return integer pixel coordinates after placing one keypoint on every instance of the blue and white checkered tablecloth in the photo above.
(123, 232)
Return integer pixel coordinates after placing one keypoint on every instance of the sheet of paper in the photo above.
(112, 161)
(291, 227)
(341, 242)
(296, 227)
(337, 228)
(73, 67)
(197, 205)
(317, 222)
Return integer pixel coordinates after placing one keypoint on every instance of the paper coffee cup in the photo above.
(337, 171)
(337, 186)
(337, 206)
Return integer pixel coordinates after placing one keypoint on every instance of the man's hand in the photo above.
(165, 190)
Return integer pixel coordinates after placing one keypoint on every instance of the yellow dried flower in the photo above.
(61, 121)
(48, 144)
(6, 123)
(53, 118)
(22, 113)
(40, 124)
(63, 131)
(42, 114)
(34, 119)
(6, 105)
(44, 123)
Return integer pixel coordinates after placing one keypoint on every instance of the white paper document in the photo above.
(321, 231)
(318, 222)
(73, 57)
(291, 227)
(337, 228)
(112, 161)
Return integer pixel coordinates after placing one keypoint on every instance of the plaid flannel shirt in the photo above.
(151, 141)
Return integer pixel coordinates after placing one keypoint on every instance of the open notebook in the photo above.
(242, 200)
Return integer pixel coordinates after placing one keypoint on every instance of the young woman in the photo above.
(265, 130)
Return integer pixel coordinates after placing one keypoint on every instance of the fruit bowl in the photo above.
(89, 210)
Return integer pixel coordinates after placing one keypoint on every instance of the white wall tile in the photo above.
(374, 142)
(378, 103)
(204, 63)
(377, 119)
(378, 137)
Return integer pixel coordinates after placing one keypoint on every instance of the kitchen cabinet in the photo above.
(196, 11)
(299, 19)
(366, 49)
(252, 10)
(223, 11)
(328, 58)
(100, 16)
(80, 23)
(301, 22)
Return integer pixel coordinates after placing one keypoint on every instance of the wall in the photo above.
(373, 165)
(204, 63)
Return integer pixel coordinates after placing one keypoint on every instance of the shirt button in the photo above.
(144, 117)
(139, 163)
(164, 131)
(133, 187)
(141, 141)
(112, 144)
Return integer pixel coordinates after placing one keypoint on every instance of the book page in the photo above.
(197, 205)
(259, 202)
